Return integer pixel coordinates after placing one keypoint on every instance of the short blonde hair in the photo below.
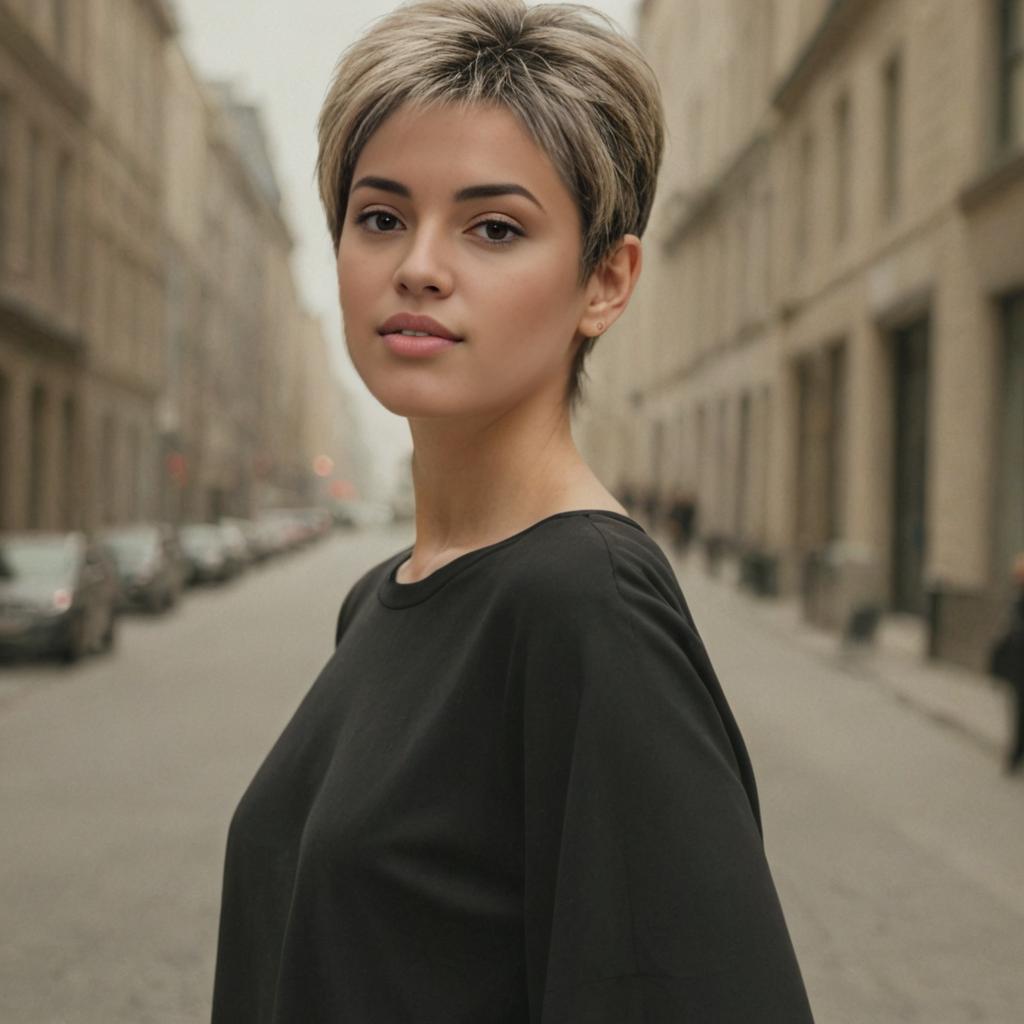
(582, 90)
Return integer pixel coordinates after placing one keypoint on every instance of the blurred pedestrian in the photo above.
(1007, 663)
(516, 791)
(681, 513)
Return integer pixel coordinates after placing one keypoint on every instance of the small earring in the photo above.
(600, 326)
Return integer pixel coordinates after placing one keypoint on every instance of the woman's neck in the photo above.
(477, 486)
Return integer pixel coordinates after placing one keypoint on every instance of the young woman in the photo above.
(515, 793)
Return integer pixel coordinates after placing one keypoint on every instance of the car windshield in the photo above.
(32, 558)
(131, 549)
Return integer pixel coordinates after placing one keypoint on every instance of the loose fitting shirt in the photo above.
(515, 794)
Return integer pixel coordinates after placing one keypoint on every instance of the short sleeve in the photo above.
(648, 899)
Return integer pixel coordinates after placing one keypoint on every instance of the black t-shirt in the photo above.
(514, 795)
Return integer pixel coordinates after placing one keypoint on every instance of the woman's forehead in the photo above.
(457, 144)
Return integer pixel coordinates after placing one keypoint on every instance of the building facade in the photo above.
(125, 283)
(184, 402)
(154, 348)
(826, 350)
(45, 110)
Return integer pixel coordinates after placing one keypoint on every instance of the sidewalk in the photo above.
(958, 698)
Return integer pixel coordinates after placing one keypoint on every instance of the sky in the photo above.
(280, 55)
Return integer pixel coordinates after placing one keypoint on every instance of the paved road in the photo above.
(897, 847)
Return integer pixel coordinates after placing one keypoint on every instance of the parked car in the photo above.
(319, 520)
(284, 527)
(299, 526)
(58, 595)
(206, 558)
(150, 564)
(236, 547)
(266, 538)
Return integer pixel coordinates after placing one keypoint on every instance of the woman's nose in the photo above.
(425, 267)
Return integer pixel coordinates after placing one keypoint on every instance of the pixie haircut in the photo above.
(582, 90)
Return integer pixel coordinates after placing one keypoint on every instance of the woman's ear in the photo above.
(610, 286)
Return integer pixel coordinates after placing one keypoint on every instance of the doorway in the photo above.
(910, 457)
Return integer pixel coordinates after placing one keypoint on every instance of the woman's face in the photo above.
(457, 216)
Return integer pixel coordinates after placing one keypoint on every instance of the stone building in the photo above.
(233, 269)
(45, 109)
(154, 349)
(81, 278)
(827, 347)
(242, 396)
(183, 408)
(124, 288)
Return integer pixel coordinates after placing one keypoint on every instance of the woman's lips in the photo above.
(408, 345)
(429, 338)
(418, 323)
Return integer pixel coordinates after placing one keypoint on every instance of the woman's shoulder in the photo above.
(594, 556)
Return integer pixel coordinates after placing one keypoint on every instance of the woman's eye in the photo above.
(379, 220)
(497, 230)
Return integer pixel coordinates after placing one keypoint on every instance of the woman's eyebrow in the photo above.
(472, 192)
(489, 191)
(384, 184)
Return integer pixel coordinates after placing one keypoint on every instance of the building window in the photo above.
(36, 457)
(700, 458)
(61, 226)
(32, 205)
(1009, 532)
(60, 26)
(721, 480)
(135, 472)
(744, 461)
(5, 136)
(66, 483)
(804, 413)
(835, 442)
(111, 459)
(765, 462)
(1011, 73)
(805, 199)
(843, 169)
(892, 88)
(112, 326)
(5, 455)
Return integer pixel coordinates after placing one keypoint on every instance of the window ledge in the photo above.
(38, 330)
(1007, 170)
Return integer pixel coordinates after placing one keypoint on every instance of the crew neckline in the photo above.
(394, 594)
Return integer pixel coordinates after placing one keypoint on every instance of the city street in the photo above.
(897, 845)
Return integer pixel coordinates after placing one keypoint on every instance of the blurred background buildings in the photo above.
(825, 356)
(826, 351)
(156, 360)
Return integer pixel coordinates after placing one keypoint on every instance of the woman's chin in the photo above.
(414, 403)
